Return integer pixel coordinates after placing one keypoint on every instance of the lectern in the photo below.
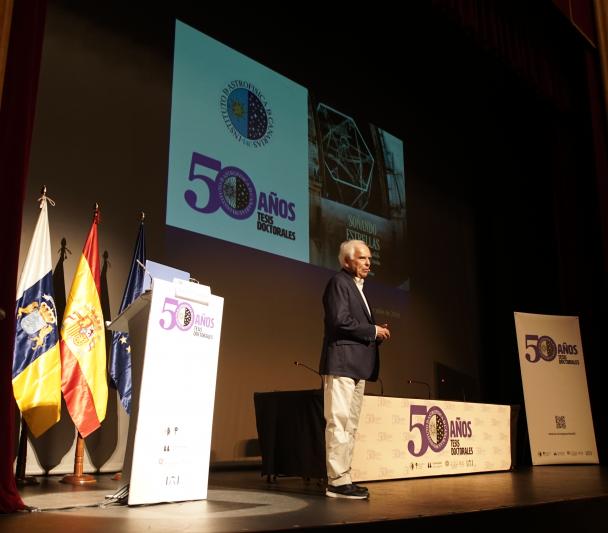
(174, 334)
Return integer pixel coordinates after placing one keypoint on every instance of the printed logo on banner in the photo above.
(181, 315)
(436, 430)
(373, 455)
(398, 420)
(371, 418)
(543, 347)
(386, 472)
(246, 113)
(233, 190)
(359, 473)
(383, 436)
(398, 453)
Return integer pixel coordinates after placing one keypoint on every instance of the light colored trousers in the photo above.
(342, 399)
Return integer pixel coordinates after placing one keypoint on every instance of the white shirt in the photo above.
(359, 283)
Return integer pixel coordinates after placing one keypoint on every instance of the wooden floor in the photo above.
(547, 497)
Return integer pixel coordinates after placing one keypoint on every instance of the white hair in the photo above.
(347, 249)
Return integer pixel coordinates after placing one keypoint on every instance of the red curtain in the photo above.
(16, 124)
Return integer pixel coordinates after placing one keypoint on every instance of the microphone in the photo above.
(428, 387)
(298, 363)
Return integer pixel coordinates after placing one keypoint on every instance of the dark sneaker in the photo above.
(352, 492)
(361, 487)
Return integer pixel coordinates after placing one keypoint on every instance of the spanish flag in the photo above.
(83, 348)
(36, 362)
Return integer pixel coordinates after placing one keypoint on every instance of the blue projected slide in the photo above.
(238, 155)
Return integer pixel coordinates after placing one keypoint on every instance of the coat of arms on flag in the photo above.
(38, 319)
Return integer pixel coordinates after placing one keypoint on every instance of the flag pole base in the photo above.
(117, 476)
(78, 479)
(26, 481)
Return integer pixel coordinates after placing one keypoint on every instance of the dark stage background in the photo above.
(492, 102)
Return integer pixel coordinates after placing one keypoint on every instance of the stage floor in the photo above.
(555, 496)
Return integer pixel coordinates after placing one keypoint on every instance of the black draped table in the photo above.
(291, 432)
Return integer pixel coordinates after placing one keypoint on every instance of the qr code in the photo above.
(560, 422)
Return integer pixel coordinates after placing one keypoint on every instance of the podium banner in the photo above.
(558, 410)
(405, 438)
(174, 380)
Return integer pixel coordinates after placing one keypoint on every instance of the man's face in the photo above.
(360, 264)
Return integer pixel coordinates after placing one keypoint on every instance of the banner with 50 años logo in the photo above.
(169, 441)
(403, 438)
(558, 410)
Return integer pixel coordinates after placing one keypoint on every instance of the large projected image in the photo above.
(255, 160)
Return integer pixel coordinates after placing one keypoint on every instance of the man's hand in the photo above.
(382, 332)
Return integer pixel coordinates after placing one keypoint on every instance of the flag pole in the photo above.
(79, 477)
(20, 477)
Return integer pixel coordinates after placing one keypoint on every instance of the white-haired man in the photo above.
(349, 357)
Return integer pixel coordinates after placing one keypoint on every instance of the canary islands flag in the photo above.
(83, 347)
(120, 358)
(36, 362)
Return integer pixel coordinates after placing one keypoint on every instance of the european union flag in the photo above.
(120, 357)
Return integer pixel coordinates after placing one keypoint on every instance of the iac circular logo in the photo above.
(236, 192)
(547, 348)
(246, 113)
(437, 429)
(183, 316)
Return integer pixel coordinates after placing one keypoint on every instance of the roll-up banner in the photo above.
(558, 410)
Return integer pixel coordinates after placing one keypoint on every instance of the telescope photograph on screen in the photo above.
(256, 160)
(357, 191)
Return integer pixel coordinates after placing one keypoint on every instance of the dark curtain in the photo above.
(16, 124)
(543, 52)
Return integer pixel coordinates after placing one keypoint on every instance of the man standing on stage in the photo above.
(349, 357)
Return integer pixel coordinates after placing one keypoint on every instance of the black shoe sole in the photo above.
(332, 494)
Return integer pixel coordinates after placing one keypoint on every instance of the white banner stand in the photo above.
(558, 410)
(174, 333)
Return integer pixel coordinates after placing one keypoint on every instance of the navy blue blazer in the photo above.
(350, 348)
